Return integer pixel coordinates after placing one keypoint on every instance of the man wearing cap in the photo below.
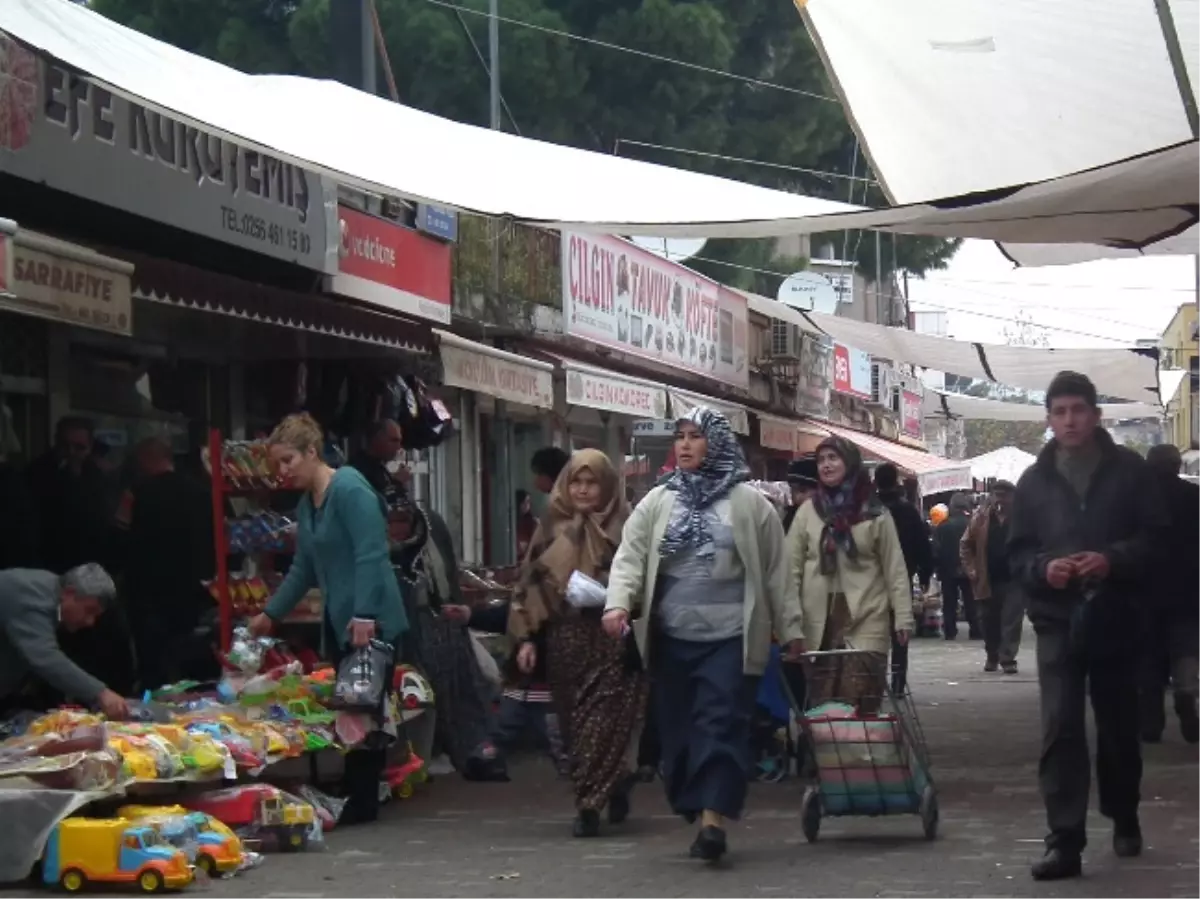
(33, 605)
(802, 476)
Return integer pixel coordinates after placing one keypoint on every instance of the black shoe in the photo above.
(991, 665)
(1127, 841)
(587, 823)
(647, 773)
(618, 803)
(975, 635)
(1151, 736)
(951, 636)
(1010, 667)
(1057, 865)
(709, 845)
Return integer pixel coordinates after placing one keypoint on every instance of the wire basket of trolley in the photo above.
(862, 741)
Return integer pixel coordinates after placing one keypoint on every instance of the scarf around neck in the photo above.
(724, 467)
(842, 507)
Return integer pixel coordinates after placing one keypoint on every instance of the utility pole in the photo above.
(352, 39)
(505, 502)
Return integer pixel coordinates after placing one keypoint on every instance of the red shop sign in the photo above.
(385, 264)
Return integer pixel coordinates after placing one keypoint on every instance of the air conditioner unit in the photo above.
(786, 340)
(884, 385)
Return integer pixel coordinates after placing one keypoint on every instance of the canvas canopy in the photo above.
(384, 147)
(990, 95)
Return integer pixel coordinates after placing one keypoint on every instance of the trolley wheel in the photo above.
(929, 813)
(810, 814)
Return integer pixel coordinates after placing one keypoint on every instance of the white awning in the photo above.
(384, 147)
(1005, 464)
(682, 402)
(1129, 373)
(1169, 380)
(506, 376)
(938, 404)
(988, 95)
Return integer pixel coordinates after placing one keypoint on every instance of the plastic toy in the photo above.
(261, 807)
(403, 779)
(90, 850)
(218, 849)
(309, 712)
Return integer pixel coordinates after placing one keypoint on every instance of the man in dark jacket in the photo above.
(914, 543)
(802, 478)
(1172, 612)
(998, 597)
(1085, 522)
(383, 442)
(947, 537)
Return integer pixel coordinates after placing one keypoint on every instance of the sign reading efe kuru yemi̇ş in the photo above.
(620, 296)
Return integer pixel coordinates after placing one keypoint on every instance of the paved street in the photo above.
(460, 839)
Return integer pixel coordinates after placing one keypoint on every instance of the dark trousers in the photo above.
(952, 589)
(649, 745)
(705, 705)
(1067, 673)
(1003, 618)
(1169, 655)
(364, 766)
(899, 662)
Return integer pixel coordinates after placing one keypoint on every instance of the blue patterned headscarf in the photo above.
(724, 466)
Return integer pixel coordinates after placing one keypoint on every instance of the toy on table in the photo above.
(91, 850)
(263, 808)
(309, 712)
(218, 849)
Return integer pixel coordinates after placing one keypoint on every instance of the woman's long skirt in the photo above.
(859, 680)
(705, 703)
(601, 700)
(444, 653)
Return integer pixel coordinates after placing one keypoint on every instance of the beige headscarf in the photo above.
(567, 540)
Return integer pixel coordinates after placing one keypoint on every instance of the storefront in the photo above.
(782, 440)
(502, 403)
(932, 474)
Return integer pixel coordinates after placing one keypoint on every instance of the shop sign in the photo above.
(777, 434)
(851, 371)
(944, 481)
(910, 413)
(494, 376)
(653, 428)
(68, 290)
(816, 374)
(74, 135)
(619, 296)
(385, 264)
(683, 402)
(437, 221)
(597, 390)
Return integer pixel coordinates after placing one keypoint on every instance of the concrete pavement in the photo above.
(461, 839)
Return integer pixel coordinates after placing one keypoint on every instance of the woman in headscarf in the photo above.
(702, 571)
(850, 568)
(599, 693)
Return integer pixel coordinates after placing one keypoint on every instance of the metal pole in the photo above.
(1175, 53)
(506, 500)
(879, 316)
(367, 38)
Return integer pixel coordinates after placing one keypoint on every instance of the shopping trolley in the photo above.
(863, 741)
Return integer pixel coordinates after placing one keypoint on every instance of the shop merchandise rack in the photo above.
(244, 482)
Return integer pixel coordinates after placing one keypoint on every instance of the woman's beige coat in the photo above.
(772, 603)
(876, 584)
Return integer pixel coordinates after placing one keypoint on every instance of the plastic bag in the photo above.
(363, 678)
(584, 592)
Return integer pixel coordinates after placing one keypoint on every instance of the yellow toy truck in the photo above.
(218, 849)
(112, 850)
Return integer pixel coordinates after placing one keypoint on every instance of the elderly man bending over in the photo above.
(33, 604)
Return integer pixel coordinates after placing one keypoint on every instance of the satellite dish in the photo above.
(673, 249)
(808, 292)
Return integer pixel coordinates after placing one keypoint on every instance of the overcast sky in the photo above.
(1098, 304)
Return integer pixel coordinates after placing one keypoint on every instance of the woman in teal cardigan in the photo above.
(341, 547)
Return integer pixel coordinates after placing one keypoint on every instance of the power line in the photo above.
(724, 158)
(487, 67)
(696, 67)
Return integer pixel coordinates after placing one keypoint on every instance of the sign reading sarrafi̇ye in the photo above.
(73, 135)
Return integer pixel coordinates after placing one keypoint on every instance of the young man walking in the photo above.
(1086, 522)
(999, 599)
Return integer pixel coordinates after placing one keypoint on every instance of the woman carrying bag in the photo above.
(341, 547)
(850, 568)
(703, 572)
(599, 694)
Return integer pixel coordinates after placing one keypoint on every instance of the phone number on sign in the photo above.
(258, 228)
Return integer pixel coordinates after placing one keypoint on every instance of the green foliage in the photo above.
(575, 93)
